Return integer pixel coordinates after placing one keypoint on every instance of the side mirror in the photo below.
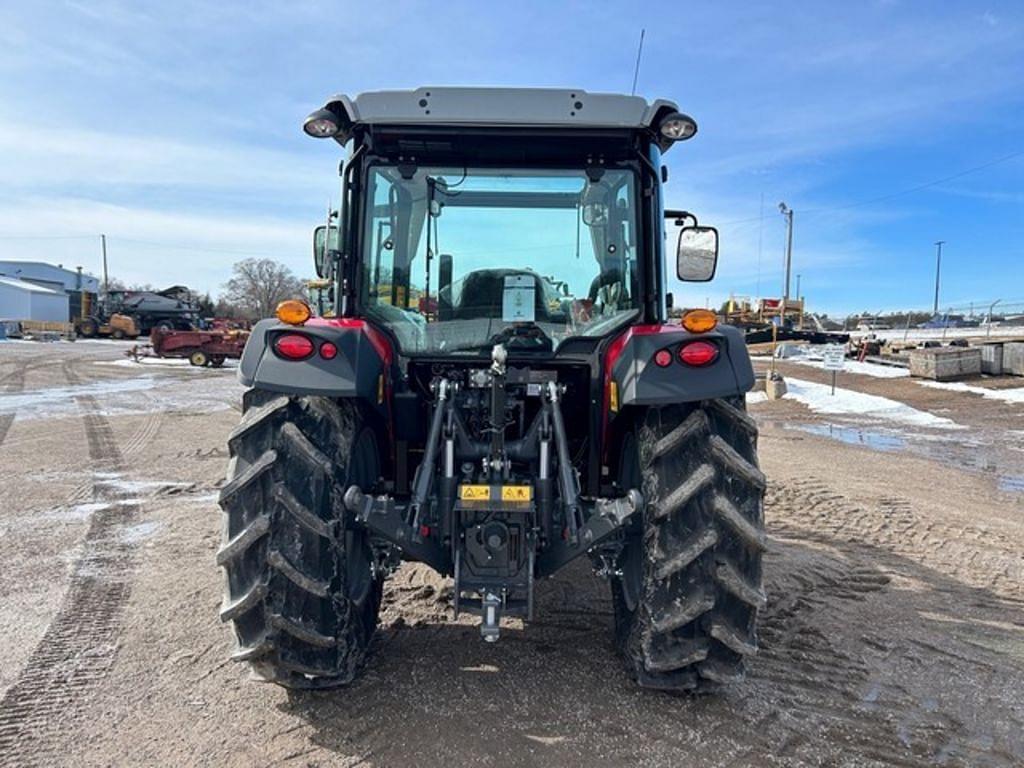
(321, 250)
(697, 254)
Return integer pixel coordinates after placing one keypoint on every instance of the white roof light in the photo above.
(322, 124)
(677, 127)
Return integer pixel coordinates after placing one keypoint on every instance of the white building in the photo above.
(53, 276)
(79, 287)
(21, 300)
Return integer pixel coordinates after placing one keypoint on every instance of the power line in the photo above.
(919, 187)
(198, 249)
(48, 237)
(151, 243)
(891, 195)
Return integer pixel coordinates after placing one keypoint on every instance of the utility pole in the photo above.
(786, 211)
(106, 283)
(938, 268)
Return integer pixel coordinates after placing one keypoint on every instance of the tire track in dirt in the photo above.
(79, 645)
(817, 679)
(979, 555)
(13, 383)
(826, 673)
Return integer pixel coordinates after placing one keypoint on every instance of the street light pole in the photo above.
(798, 286)
(938, 268)
(786, 211)
(988, 325)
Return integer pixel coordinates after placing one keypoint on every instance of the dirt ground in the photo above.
(894, 633)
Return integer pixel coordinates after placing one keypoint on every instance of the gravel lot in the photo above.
(894, 633)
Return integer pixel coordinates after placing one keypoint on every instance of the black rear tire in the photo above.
(88, 328)
(687, 601)
(300, 590)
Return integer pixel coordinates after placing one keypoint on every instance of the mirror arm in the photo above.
(681, 217)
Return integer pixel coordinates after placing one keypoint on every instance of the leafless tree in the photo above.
(116, 284)
(257, 285)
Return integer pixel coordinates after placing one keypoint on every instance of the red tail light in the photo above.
(293, 346)
(663, 358)
(328, 351)
(698, 353)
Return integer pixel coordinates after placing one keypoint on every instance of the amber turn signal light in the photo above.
(700, 320)
(293, 312)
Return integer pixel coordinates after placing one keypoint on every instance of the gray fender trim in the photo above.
(642, 382)
(353, 372)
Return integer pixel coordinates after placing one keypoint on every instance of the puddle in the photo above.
(876, 440)
(975, 453)
(1012, 483)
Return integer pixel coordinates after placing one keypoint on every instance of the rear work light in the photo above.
(698, 353)
(293, 346)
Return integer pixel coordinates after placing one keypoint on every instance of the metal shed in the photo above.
(21, 300)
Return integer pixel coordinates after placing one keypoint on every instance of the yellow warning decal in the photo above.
(516, 492)
(504, 492)
(475, 492)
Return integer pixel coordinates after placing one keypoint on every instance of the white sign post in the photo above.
(835, 359)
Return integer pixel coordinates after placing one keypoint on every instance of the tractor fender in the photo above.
(360, 369)
(640, 381)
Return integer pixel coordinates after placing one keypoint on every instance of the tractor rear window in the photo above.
(458, 259)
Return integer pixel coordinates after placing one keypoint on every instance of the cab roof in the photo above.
(496, 107)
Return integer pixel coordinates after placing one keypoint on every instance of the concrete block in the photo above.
(992, 358)
(945, 363)
(775, 388)
(1013, 358)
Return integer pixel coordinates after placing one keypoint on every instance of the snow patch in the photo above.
(203, 498)
(75, 514)
(60, 401)
(855, 366)
(176, 363)
(756, 397)
(116, 482)
(1015, 395)
(813, 356)
(127, 397)
(133, 534)
(846, 402)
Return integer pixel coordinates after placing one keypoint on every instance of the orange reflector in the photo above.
(700, 320)
(293, 312)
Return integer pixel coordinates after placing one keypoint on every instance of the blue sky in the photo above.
(175, 128)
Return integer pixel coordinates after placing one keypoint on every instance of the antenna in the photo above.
(636, 69)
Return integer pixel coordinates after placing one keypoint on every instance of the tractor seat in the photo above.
(483, 292)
